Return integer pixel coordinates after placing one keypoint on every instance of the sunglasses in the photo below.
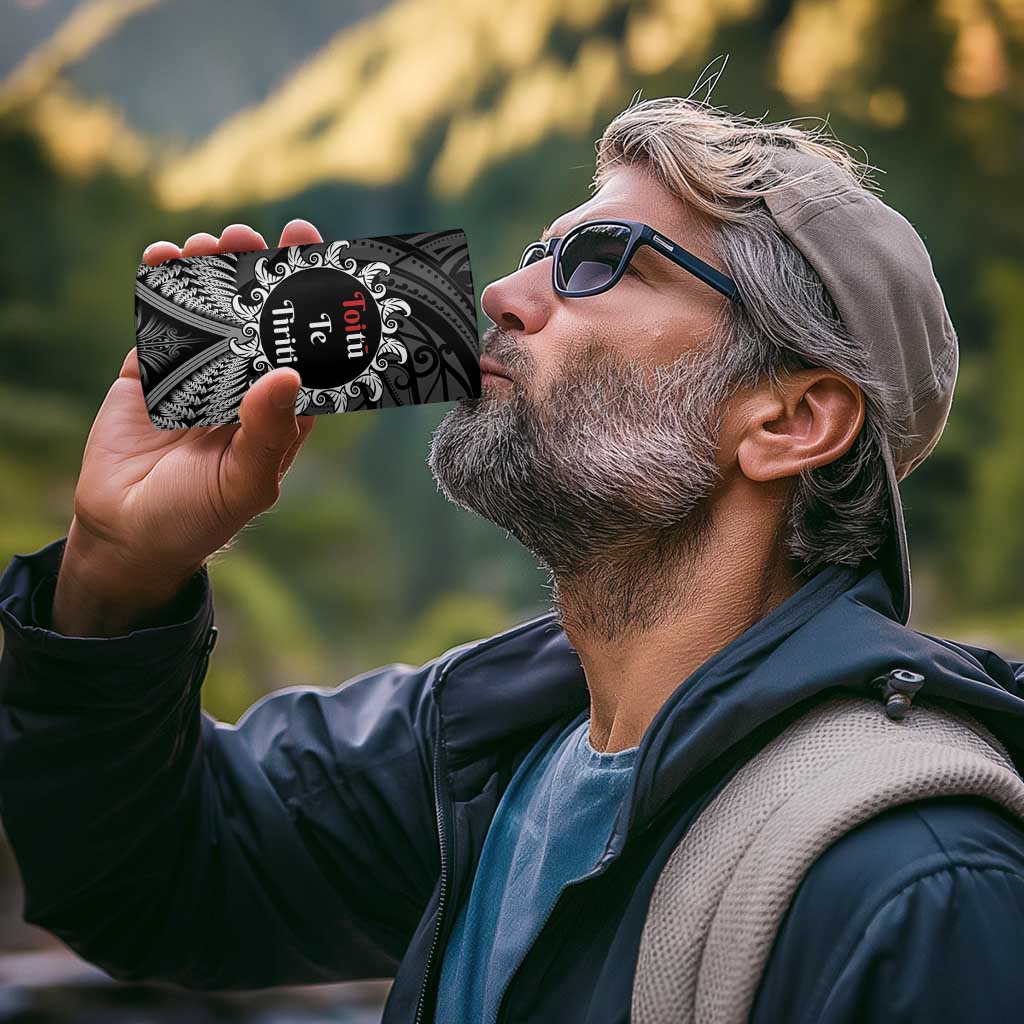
(593, 256)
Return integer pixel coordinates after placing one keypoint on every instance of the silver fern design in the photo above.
(184, 325)
(372, 323)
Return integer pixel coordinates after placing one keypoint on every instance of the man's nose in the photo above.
(520, 301)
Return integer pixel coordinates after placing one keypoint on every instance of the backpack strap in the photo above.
(725, 889)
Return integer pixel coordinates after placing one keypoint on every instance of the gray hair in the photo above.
(721, 165)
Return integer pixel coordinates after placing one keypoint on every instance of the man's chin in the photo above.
(465, 440)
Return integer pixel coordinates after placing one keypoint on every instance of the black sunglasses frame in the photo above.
(639, 234)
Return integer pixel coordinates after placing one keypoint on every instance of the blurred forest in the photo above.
(127, 122)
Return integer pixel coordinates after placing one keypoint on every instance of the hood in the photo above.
(836, 633)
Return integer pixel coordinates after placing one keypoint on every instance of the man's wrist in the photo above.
(101, 593)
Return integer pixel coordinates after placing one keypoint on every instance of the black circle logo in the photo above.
(322, 323)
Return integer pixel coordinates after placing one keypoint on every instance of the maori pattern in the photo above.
(368, 324)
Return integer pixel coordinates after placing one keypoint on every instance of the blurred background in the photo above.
(127, 121)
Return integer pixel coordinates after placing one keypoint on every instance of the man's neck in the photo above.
(641, 625)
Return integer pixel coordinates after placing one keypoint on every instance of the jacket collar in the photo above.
(840, 630)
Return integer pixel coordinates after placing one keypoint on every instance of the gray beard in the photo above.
(605, 479)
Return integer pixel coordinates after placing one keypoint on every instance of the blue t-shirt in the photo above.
(550, 827)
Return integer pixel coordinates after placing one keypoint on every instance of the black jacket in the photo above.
(332, 833)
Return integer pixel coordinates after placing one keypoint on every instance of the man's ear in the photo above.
(810, 421)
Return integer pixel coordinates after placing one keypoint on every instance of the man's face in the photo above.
(603, 442)
(656, 312)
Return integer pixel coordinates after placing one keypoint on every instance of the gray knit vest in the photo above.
(724, 890)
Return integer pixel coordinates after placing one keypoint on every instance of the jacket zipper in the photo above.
(439, 807)
(443, 887)
(199, 677)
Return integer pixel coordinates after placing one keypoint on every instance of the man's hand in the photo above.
(152, 505)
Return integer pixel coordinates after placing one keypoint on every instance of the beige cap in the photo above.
(880, 276)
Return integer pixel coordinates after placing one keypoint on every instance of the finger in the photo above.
(241, 238)
(130, 366)
(269, 428)
(299, 232)
(305, 428)
(159, 252)
(202, 243)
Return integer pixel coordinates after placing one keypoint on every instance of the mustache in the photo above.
(591, 361)
(501, 346)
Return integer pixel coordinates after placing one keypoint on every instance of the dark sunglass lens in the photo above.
(532, 253)
(591, 255)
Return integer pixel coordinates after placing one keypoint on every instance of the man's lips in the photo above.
(488, 365)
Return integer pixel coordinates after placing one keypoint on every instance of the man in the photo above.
(695, 410)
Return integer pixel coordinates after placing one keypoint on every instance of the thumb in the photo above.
(268, 430)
